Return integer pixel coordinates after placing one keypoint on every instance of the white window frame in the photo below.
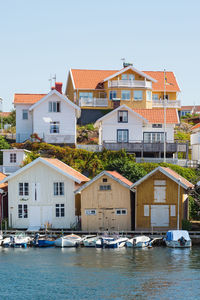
(160, 189)
(124, 77)
(153, 137)
(90, 212)
(13, 157)
(111, 94)
(172, 210)
(54, 127)
(131, 77)
(58, 188)
(155, 97)
(23, 189)
(60, 210)
(54, 106)
(146, 210)
(137, 98)
(126, 95)
(122, 135)
(148, 95)
(22, 211)
(24, 114)
(122, 116)
(121, 211)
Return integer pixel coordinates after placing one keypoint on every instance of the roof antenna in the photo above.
(123, 59)
(54, 79)
(50, 81)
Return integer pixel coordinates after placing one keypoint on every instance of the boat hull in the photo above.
(45, 243)
(177, 244)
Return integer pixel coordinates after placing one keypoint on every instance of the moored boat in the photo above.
(90, 241)
(178, 239)
(111, 242)
(17, 240)
(138, 242)
(71, 240)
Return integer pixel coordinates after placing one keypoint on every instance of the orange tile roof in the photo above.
(156, 115)
(5, 114)
(92, 79)
(171, 85)
(3, 185)
(120, 177)
(177, 176)
(195, 126)
(196, 108)
(27, 98)
(67, 169)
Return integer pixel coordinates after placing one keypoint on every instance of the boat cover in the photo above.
(175, 235)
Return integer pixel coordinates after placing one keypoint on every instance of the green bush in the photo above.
(186, 225)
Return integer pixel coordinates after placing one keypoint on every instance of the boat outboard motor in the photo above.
(182, 241)
(36, 238)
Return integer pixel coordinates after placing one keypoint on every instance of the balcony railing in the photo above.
(171, 147)
(169, 103)
(55, 138)
(93, 102)
(130, 84)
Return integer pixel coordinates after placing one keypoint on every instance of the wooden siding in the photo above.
(105, 203)
(145, 196)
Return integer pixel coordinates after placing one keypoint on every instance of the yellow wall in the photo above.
(69, 89)
(171, 95)
(145, 196)
(105, 203)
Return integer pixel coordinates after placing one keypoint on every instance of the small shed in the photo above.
(106, 203)
(161, 200)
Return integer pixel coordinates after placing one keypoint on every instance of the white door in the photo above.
(46, 215)
(159, 215)
(34, 216)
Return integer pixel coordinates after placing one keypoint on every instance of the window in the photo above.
(25, 114)
(112, 95)
(159, 191)
(105, 187)
(105, 180)
(22, 211)
(13, 157)
(122, 116)
(153, 137)
(131, 77)
(146, 210)
(173, 210)
(156, 125)
(155, 97)
(122, 135)
(54, 106)
(126, 95)
(58, 188)
(138, 95)
(121, 211)
(60, 210)
(124, 76)
(23, 189)
(148, 95)
(85, 95)
(54, 127)
(90, 212)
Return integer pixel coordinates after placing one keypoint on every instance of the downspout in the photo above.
(178, 219)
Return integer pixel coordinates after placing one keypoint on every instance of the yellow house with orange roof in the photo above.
(108, 89)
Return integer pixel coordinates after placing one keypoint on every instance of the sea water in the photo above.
(83, 273)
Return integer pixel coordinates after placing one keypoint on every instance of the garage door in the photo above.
(160, 215)
(34, 216)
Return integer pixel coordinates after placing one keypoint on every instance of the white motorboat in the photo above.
(71, 240)
(111, 242)
(17, 240)
(138, 242)
(90, 241)
(178, 239)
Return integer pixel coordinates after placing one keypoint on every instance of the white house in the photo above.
(52, 117)
(140, 130)
(12, 160)
(42, 194)
(195, 142)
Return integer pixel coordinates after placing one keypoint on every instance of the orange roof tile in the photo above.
(177, 176)
(194, 108)
(3, 185)
(156, 115)
(92, 79)
(4, 114)
(27, 98)
(171, 85)
(120, 177)
(195, 126)
(67, 169)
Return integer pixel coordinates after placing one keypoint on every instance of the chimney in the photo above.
(58, 87)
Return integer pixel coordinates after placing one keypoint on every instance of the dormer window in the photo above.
(122, 116)
(54, 106)
(124, 76)
(13, 157)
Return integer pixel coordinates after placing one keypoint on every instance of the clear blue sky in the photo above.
(43, 37)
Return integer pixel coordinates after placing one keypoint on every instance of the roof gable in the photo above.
(169, 173)
(54, 92)
(55, 164)
(112, 174)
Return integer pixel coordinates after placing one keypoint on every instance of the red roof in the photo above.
(120, 177)
(194, 108)
(177, 176)
(92, 79)
(67, 169)
(4, 114)
(156, 115)
(196, 126)
(27, 98)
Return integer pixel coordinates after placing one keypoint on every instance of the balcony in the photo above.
(168, 104)
(93, 102)
(171, 147)
(130, 84)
